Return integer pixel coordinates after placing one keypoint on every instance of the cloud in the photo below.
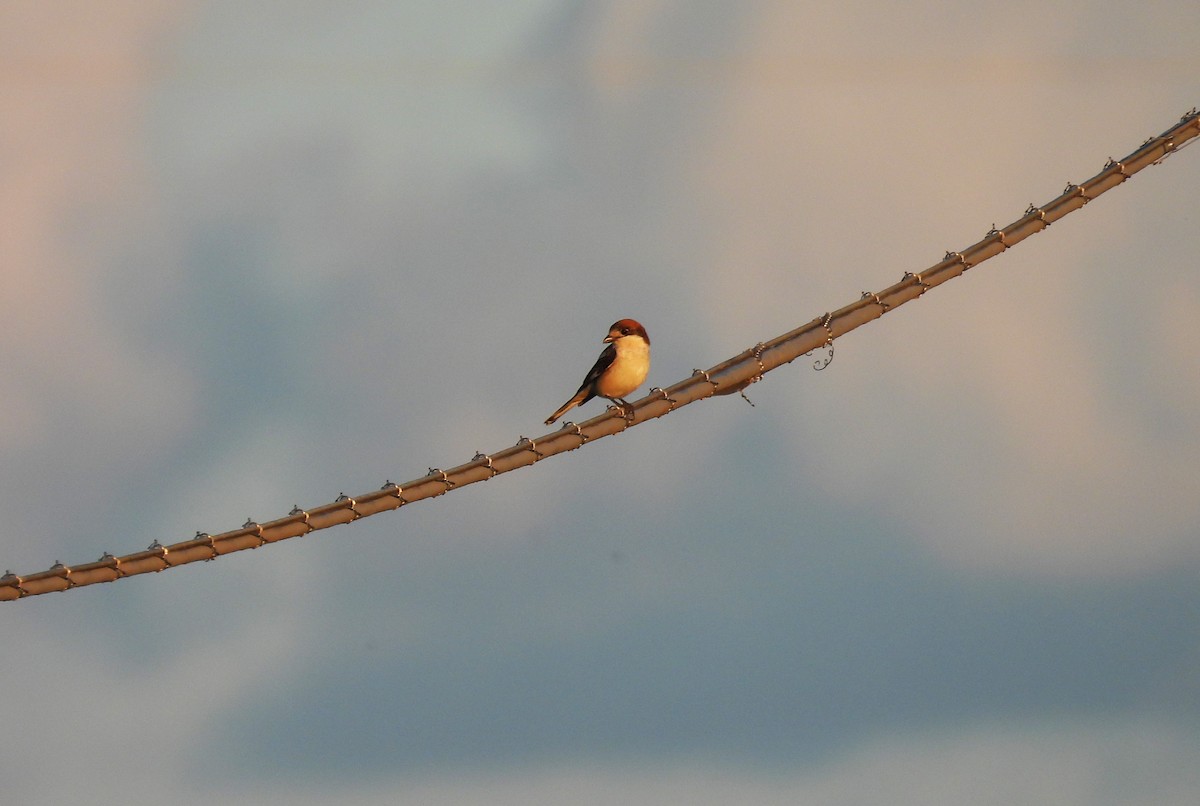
(828, 170)
(83, 391)
(262, 275)
(1124, 762)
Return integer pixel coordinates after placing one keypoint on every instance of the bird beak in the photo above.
(607, 339)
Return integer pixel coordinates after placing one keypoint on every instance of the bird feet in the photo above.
(625, 408)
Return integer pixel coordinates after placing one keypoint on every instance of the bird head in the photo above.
(625, 327)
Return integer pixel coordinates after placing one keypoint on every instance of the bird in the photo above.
(620, 369)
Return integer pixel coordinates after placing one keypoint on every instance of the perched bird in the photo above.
(619, 370)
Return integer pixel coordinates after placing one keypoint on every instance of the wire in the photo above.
(730, 376)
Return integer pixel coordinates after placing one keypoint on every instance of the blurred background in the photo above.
(257, 254)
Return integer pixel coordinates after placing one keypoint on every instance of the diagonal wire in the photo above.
(730, 376)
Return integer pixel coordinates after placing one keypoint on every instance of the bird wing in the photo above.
(587, 389)
(602, 363)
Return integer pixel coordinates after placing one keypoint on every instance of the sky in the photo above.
(257, 255)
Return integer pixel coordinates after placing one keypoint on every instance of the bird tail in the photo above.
(580, 398)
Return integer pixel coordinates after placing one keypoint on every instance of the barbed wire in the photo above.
(730, 376)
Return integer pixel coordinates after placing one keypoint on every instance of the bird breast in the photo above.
(628, 370)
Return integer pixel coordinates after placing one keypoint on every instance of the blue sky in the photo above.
(257, 255)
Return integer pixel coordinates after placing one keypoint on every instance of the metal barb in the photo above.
(64, 572)
(162, 554)
(251, 523)
(821, 363)
(480, 455)
(114, 562)
(762, 370)
(583, 438)
(1041, 214)
(1170, 148)
(60, 570)
(296, 510)
(343, 498)
(529, 443)
(957, 256)
(871, 295)
(212, 546)
(15, 581)
(672, 401)
(399, 491)
(826, 321)
(1120, 166)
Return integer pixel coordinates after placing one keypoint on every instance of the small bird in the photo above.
(619, 370)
